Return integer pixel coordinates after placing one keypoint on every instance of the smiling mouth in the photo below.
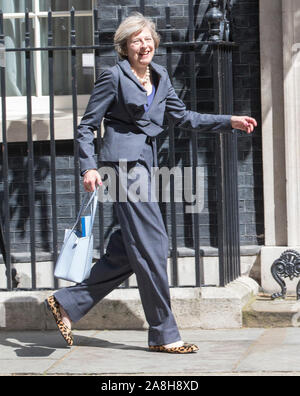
(145, 53)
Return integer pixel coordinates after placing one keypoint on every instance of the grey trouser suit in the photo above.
(140, 246)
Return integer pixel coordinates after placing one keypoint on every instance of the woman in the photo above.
(133, 97)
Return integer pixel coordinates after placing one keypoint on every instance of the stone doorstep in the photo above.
(205, 308)
(262, 312)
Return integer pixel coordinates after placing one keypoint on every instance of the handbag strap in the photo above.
(94, 200)
(94, 208)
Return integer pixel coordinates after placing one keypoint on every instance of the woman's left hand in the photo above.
(244, 123)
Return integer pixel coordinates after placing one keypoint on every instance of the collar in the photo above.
(126, 67)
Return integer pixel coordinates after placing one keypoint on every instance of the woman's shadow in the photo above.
(42, 344)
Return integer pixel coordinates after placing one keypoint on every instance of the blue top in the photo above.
(150, 98)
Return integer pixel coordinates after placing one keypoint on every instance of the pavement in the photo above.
(240, 352)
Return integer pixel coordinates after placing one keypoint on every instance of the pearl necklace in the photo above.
(145, 80)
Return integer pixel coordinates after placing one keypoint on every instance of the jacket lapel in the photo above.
(126, 68)
(159, 70)
(161, 92)
(139, 98)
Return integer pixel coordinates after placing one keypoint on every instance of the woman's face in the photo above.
(140, 48)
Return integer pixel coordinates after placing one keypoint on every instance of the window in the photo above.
(14, 30)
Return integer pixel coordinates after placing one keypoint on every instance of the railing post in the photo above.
(75, 109)
(194, 145)
(172, 163)
(142, 6)
(226, 154)
(4, 233)
(99, 135)
(52, 144)
(96, 41)
(31, 179)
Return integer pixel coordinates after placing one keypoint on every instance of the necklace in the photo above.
(144, 80)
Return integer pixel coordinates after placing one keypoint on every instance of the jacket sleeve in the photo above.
(102, 97)
(184, 118)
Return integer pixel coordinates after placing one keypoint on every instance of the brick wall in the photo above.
(247, 101)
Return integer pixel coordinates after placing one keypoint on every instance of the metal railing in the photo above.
(226, 143)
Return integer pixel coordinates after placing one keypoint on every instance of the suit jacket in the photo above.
(119, 99)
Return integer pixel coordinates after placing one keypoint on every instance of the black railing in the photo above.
(226, 143)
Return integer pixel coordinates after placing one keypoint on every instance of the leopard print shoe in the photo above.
(185, 348)
(53, 306)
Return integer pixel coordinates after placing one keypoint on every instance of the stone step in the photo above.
(263, 312)
(205, 308)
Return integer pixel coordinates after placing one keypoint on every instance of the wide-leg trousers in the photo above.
(140, 246)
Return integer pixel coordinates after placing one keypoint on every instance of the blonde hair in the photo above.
(131, 25)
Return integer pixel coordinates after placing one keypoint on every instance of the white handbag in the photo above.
(74, 262)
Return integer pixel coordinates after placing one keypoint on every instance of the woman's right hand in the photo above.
(91, 179)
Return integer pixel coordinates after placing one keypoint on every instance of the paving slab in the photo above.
(237, 352)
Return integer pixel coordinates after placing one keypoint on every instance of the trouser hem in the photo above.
(167, 337)
(64, 298)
